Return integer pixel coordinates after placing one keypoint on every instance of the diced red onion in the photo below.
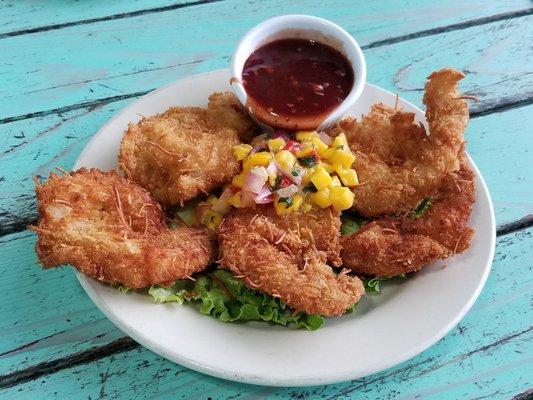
(271, 169)
(325, 137)
(264, 196)
(280, 133)
(255, 179)
(288, 191)
(296, 179)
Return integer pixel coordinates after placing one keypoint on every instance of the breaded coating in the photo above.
(285, 256)
(397, 163)
(185, 151)
(391, 246)
(112, 230)
(226, 111)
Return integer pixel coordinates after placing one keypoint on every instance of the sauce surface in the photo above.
(297, 78)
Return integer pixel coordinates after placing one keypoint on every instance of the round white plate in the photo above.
(404, 320)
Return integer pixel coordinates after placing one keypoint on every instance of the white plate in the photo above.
(404, 320)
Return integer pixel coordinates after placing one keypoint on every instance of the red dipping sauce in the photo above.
(296, 83)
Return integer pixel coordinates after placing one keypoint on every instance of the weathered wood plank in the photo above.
(36, 146)
(45, 314)
(494, 340)
(124, 56)
(17, 17)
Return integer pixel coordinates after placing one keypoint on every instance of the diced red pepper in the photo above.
(285, 182)
(293, 146)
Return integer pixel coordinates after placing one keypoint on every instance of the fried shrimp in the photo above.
(391, 246)
(285, 256)
(226, 111)
(397, 163)
(185, 151)
(112, 230)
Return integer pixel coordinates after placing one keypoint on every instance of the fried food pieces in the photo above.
(391, 246)
(397, 163)
(112, 230)
(226, 111)
(184, 151)
(285, 256)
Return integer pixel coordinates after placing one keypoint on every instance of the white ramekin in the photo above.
(301, 27)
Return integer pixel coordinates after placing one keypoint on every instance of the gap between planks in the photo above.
(106, 18)
(410, 36)
(126, 343)
(379, 43)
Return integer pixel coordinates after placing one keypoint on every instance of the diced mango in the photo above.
(240, 151)
(320, 146)
(328, 167)
(327, 153)
(321, 178)
(339, 141)
(321, 198)
(283, 208)
(303, 136)
(285, 159)
(307, 176)
(236, 200)
(348, 176)
(307, 150)
(238, 180)
(212, 199)
(342, 158)
(275, 145)
(297, 201)
(306, 207)
(212, 219)
(335, 181)
(341, 198)
(261, 159)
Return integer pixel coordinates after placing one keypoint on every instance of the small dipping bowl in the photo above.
(297, 27)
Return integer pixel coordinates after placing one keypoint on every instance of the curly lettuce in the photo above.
(220, 295)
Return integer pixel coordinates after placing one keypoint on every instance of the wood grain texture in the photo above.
(68, 66)
(83, 63)
(494, 340)
(36, 146)
(22, 17)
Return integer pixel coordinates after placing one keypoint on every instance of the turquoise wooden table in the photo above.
(68, 66)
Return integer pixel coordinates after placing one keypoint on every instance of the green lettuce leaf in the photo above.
(351, 223)
(222, 296)
(373, 285)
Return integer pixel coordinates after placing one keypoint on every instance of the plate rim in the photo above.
(239, 376)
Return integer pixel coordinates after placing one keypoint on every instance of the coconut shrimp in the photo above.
(397, 163)
(112, 230)
(185, 151)
(390, 246)
(285, 257)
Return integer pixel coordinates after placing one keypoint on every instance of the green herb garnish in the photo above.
(226, 298)
(310, 188)
(286, 200)
(277, 183)
(308, 161)
(294, 172)
(421, 208)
